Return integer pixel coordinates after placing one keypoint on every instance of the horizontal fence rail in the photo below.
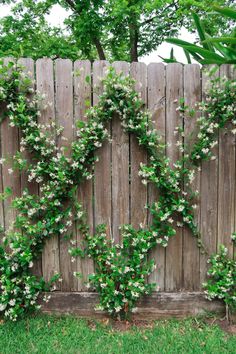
(116, 195)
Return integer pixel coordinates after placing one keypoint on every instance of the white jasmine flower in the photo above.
(12, 302)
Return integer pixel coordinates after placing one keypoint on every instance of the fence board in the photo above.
(209, 199)
(102, 173)
(64, 118)
(192, 94)
(120, 168)
(82, 100)
(174, 91)
(45, 85)
(28, 68)
(156, 105)
(10, 145)
(226, 175)
(138, 196)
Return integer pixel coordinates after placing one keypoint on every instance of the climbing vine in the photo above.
(121, 270)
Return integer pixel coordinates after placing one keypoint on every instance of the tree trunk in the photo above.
(99, 48)
(134, 48)
(133, 35)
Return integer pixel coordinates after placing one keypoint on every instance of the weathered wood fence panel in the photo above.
(116, 195)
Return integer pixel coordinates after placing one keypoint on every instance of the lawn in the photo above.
(50, 334)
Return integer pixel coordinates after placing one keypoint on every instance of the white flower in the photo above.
(118, 308)
(12, 302)
(10, 171)
(2, 307)
(127, 269)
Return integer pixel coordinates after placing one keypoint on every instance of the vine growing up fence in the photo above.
(121, 269)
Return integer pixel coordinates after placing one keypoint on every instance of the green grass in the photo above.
(67, 335)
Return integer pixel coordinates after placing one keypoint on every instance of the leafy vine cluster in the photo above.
(121, 269)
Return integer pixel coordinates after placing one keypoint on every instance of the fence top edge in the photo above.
(105, 62)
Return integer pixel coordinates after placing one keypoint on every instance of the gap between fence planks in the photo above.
(116, 194)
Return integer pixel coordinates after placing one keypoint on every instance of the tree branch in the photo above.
(174, 3)
(96, 41)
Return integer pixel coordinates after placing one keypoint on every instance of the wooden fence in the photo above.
(116, 194)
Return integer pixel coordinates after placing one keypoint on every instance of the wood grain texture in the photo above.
(155, 306)
(174, 91)
(191, 253)
(226, 176)
(82, 101)
(117, 195)
(28, 67)
(120, 168)
(138, 196)
(64, 118)
(156, 105)
(45, 85)
(209, 199)
(102, 171)
(10, 145)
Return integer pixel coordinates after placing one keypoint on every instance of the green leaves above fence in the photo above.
(219, 50)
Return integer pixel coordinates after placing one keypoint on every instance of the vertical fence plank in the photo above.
(157, 105)
(45, 85)
(174, 91)
(209, 198)
(227, 177)
(2, 217)
(64, 118)
(82, 101)
(120, 168)
(138, 196)
(10, 145)
(102, 171)
(192, 95)
(27, 65)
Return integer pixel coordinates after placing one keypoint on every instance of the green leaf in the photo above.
(187, 56)
(8, 191)
(79, 124)
(205, 53)
(225, 11)
(200, 30)
(221, 40)
(167, 60)
(88, 79)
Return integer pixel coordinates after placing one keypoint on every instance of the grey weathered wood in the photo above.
(102, 171)
(120, 168)
(227, 175)
(138, 196)
(209, 199)
(82, 101)
(155, 306)
(27, 66)
(174, 91)
(192, 95)
(156, 105)
(113, 186)
(45, 85)
(10, 145)
(64, 118)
